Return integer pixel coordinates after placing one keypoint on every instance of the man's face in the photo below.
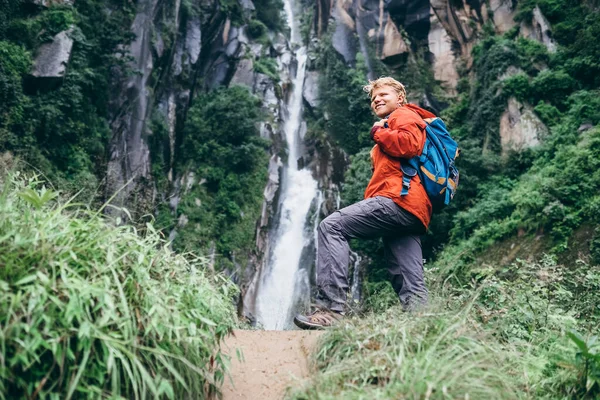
(384, 100)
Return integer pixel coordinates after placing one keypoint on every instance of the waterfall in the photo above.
(355, 288)
(281, 282)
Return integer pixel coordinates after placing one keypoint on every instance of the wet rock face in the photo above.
(343, 36)
(444, 59)
(394, 47)
(311, 89)
(53, 57)
(128, 171)
(412, 15)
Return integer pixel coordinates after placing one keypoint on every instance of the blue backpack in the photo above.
(435, 165)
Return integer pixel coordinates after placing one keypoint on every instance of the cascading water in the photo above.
(277, 292)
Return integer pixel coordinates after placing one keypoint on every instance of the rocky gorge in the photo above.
(180, 50)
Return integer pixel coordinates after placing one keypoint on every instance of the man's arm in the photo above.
(399, 140)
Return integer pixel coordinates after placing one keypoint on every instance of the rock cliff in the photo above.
(181, 50)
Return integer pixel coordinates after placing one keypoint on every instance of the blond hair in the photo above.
(387, 81)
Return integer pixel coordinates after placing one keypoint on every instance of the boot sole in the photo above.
(307, 325)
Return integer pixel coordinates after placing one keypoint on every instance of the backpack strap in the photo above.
(408, 172)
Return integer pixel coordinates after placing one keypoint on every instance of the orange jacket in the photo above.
(404, 138)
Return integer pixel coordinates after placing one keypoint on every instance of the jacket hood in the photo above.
(422, 113)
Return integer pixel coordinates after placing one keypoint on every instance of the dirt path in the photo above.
(272, 361)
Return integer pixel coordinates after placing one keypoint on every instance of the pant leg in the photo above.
(404, 257)
(370, 218)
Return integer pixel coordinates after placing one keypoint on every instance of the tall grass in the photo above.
(90, 310)
(525, 331)
(394, 355)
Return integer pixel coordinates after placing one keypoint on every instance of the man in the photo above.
(399, 220)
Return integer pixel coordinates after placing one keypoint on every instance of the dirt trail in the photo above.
(272, 361)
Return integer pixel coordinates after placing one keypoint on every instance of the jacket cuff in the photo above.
(373, 130)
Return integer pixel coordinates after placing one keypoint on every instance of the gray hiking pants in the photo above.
(371, 218)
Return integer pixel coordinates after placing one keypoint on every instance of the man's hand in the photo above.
(377, 125)
(380, 123)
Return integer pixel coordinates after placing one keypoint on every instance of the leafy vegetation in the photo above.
(90, 310)
(503, 338)
(61, 128)
(227, 158)
(513, 262)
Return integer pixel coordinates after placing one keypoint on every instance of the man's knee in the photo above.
(330, 224)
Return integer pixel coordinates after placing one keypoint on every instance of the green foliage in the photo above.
(15, 62)
(392, 355)
(540, 199)
(346, 107)
(256, 29)
(503, 337)
(549, 114)
(91, 310)
(595, 247)
(61, 127)
(233, 9)
(269, 12)
(267, 66)
(33, 30)
(588, 360)
(492, 57)
(532, 54)
(553, 85)
(222, 147)
(357, 176)
(518, 86)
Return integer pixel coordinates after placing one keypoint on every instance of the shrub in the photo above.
(91, 310)
(256, 29)
(518, 86)
(588, 363)
(556, 86)
(267, 66)
(269, 12)
(348, 116)
(393, 355)
(222, 147)
(549, 114)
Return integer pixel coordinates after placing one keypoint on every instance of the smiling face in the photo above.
(384, 100)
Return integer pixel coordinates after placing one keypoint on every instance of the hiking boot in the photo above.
(318, 319)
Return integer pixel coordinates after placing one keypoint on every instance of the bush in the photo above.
(269, 12)
(222, 148)
(256, 29)
(267, 66)
(346, 106)
(91, 310)
(518, 86)
(394, 355)
(556, 86)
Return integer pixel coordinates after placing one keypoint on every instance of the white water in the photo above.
(355, 288)
(277, 292)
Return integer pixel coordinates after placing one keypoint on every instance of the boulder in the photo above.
(310, 91)
(504, 13)
(538, 29)
(520, 128)
(244, 73)
(394, 46)
(343, 36)
(444, 60)
(53, 57)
